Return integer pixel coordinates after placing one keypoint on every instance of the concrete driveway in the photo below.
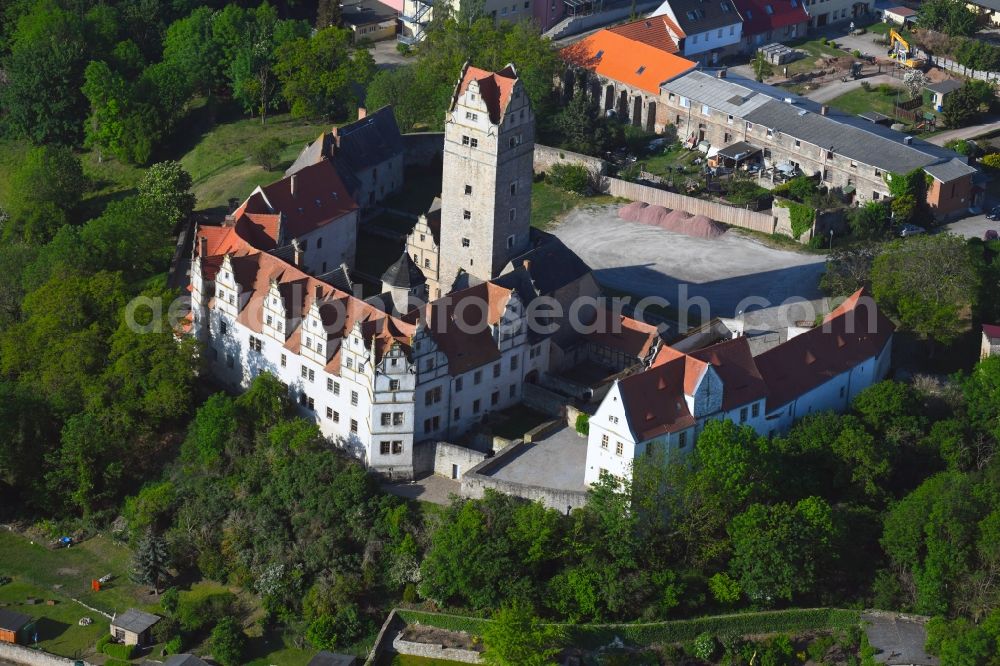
(899, 639)
(974, 226)
(717, 277)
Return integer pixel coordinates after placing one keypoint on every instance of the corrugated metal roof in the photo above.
(721, 94)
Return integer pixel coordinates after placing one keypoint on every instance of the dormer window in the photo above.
(769, 9)
(319, 202)
(724, 6)
(642, 68)
(599, 55)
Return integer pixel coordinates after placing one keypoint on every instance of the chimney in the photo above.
(908, 140)
(296, 252)
(527, 265)
(291, 181)
(319, 292)
(722, 73)
(335, 135)
(362, 112)
(202, 247)
(824, 110)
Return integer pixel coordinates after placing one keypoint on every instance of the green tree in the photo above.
(927, 283)
(962, 107)
(132, 235)
(211, 430)
(320, 73)
(982, 397)
(267, 153)
(848, 269)
(870, 221)
(515, 637)
(192, 46)
(167, 187)
(778, 550)
(761, 67)
(328, 14)
(582, 128)
(45, 189)
(228, 642)
(328, 632)
(150, 562)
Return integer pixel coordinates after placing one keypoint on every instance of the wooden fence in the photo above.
(731, 215)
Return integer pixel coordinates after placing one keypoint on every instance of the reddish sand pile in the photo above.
(677, 221)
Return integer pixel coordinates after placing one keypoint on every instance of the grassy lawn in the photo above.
(219, 164)
(549, 203)
(814, 49)
(860, 100)
(57, 626)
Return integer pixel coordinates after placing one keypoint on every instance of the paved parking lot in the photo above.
(731, 274)
(898, 639)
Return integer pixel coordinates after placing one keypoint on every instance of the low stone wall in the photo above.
(447, 454)
(736, 217)
(392, 626)
(546, 156)
(477, 480)
(422, 148)
(429, 651)
(542, 431)
(18, 654)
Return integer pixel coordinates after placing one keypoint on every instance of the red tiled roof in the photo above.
(901, 11)
(756, 19)
(634, 63)
(319, 198)
(991, 330)
(851, 334)
(470, 343)
(631, 336)
(654, 31)
(741, 380)
(653, 400)
(495, 87)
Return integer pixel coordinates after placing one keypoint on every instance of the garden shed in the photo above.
(13, 626)
(132, 627)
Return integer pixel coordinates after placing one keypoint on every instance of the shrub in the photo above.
(404, 49)
(583, 424)
(4, 580)
(169, 599)
(704, 646)
(118, 650)
(724, 588)
(266, 153)
(885, 89)
(992, 160)
(227, 641)
(199, 612)
(410, 593)
(173, 646)
(867, 87)
(570, 177)
(856, 53)
(102, 641)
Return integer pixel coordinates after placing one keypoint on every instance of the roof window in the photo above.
(769, 9)
(600, 54)
(724, 6)
(642, 68)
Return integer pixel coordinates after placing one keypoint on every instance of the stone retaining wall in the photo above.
(19, 654)
(546, 156)
(543, 400)
(477, 480)
(446, 455)
(731, 215)
(429, 651)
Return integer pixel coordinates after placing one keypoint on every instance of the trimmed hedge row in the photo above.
(118, 650)
(741, 624)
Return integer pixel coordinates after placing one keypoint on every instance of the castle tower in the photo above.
(405, 284)
(489, 143)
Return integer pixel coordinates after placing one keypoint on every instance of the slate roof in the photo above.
(945, 87)
(741, 380)
(757, 20)
(366, 12)
(368, 142)
(184, 660)
(851, 334)
(950, 170)
(404, 273)
(330, 659)
(697, 16)
(993, 5)
(619, 58)
(135, 620)
(12, 620)
(550, 263)
(313, 152)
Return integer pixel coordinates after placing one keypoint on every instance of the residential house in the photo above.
(988, 10)
(367, 153)
(899, 15)
(370, 20)
(14, 626)
(133, 627)
(991, 341)
(664, 407)
(769, 21)
(845, 152)
(704, 30)
(939, 92)
(626, 66)
(827, 12)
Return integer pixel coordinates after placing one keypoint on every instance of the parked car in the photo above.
(908, 230)
(994, 213)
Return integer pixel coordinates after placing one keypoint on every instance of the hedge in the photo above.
(648, 633)
(118, 650)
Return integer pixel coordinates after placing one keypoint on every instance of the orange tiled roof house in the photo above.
(666, 406)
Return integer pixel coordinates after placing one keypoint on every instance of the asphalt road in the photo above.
(731, 274)
(974, 226)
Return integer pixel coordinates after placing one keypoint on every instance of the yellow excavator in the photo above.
(901, 50)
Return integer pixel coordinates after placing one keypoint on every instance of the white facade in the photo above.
(716, 39)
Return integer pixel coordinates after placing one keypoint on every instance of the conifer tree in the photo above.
(150, 562)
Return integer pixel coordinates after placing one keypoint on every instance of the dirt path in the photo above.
(971, 132)
(835, 89)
